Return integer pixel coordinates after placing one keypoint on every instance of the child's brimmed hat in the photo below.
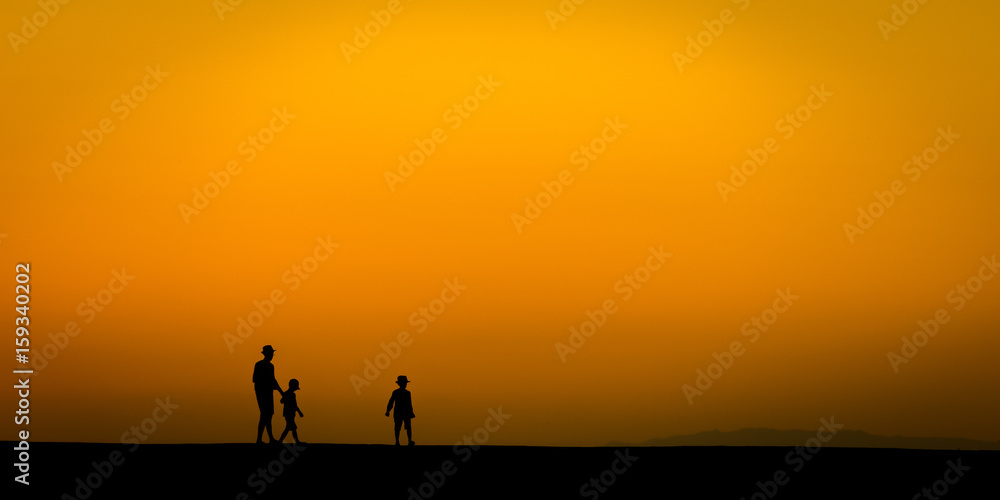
(293, 384)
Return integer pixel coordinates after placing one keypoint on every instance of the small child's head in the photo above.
(401, 380)
(293, 385)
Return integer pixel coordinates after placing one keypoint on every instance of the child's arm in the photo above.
(299, 410)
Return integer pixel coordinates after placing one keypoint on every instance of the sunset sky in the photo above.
(554, 160)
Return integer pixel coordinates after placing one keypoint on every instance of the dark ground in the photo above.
(225, 471)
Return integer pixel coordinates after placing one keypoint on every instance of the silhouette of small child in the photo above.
(404, 409)
(291, 406)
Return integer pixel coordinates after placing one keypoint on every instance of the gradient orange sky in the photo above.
(322, 174)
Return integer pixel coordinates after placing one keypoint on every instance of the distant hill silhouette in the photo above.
(844, 439)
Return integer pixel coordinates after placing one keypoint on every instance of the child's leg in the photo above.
(283, 434)
(398, 424)
(295, 435)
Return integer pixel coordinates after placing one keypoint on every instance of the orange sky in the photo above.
(312, 131)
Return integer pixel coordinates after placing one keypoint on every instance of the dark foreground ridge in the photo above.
(245, 471)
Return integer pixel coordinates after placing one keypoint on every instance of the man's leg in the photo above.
(260, 429)
(398, 424)
(409, 432)
(267, 425)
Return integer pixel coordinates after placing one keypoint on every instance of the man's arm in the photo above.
(274, 382)
(389, 407)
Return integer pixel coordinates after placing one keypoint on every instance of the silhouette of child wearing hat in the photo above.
(291, 406)
(404, 409)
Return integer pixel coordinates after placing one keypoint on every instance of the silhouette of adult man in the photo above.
(264, 385)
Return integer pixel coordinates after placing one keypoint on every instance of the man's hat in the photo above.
(402, 380)
(267, 349)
